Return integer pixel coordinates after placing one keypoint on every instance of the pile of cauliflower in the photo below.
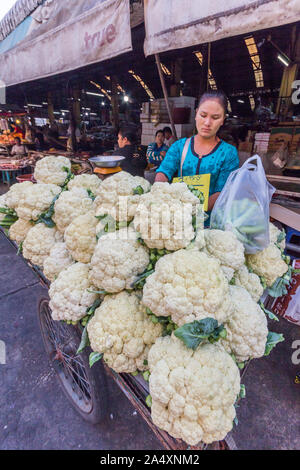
(133, 264)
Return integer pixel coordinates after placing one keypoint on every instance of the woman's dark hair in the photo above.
(18, 139)
(217, 95)
(129, 132)
(157, 132)
(167, 129)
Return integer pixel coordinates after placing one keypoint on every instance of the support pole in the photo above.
(50, 108)
(114, 102)
(163, 84)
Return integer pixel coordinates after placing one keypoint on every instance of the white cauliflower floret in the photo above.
(268, 263)
(228, 272)
(193, 392)
(19, 230)
(115, 196)
(38, 243)
(274, 233)
(117, 260)
(50, 170)
(70, 205)
(247, 327)
(35, 200)
(80, 237)
(164, 216)
(58, 260)
(3, 206)
(13, 196)
(250, 282)
(123, 332)
(91, 182)
(225, 246)
(188, 285)
(69, 296)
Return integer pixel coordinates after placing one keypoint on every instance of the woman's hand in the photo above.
(212, 200)
(161, 178)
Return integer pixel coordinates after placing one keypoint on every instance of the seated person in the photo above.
(169, 139)
(156, 151)
(19, 150)
(133, 163)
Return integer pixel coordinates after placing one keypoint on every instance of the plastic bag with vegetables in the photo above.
(243, 206)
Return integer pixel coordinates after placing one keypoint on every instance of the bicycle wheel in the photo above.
(85, 388)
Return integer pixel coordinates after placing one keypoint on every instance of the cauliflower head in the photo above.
(38, 243)
(69, 296)
(70, 205)
(164, 216)
(250, 282)
(188, 286)
(268, 263)
(123, 332)
(117, 260)
(193, 392)
(19, 230)
(247, 327)
(116, 197)
(15, 193)
(3, 206)
(50, 170)
(225, 246)
(35, 200)
(59, 259)
(85, 181)
(274, 233)
(80, 237)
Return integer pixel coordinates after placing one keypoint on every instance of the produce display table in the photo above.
(85, 387)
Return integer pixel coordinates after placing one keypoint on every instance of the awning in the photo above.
(66, 36)
(189, 22)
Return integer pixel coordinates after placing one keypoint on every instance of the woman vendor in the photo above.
(205, 152)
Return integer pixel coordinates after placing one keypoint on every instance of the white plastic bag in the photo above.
(243, 206)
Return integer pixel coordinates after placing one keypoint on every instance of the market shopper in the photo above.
(134, 162)
(204, 153)
(157, 150)
(169, 138)
(19, 150)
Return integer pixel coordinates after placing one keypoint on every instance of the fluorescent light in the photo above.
(93, 114)
(94, 94)
(241, 101)
(35, 105)
(65, 111)
(283, 60)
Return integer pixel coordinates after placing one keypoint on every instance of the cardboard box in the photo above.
(280, 135)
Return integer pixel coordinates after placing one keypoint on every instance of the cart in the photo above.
(86, 387)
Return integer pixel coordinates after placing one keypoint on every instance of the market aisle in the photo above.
(34, 411)
(269, 415)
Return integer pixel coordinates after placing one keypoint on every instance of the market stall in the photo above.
(48, 232)
(185, 293)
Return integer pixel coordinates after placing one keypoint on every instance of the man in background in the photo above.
(169, 138)
(134, 162)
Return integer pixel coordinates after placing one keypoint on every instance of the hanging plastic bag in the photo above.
(243, 206)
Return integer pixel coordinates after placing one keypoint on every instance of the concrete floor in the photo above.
(36, 415)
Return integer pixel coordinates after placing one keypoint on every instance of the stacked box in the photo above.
(280, 135)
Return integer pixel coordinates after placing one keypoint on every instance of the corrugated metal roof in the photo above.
(16, 15)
